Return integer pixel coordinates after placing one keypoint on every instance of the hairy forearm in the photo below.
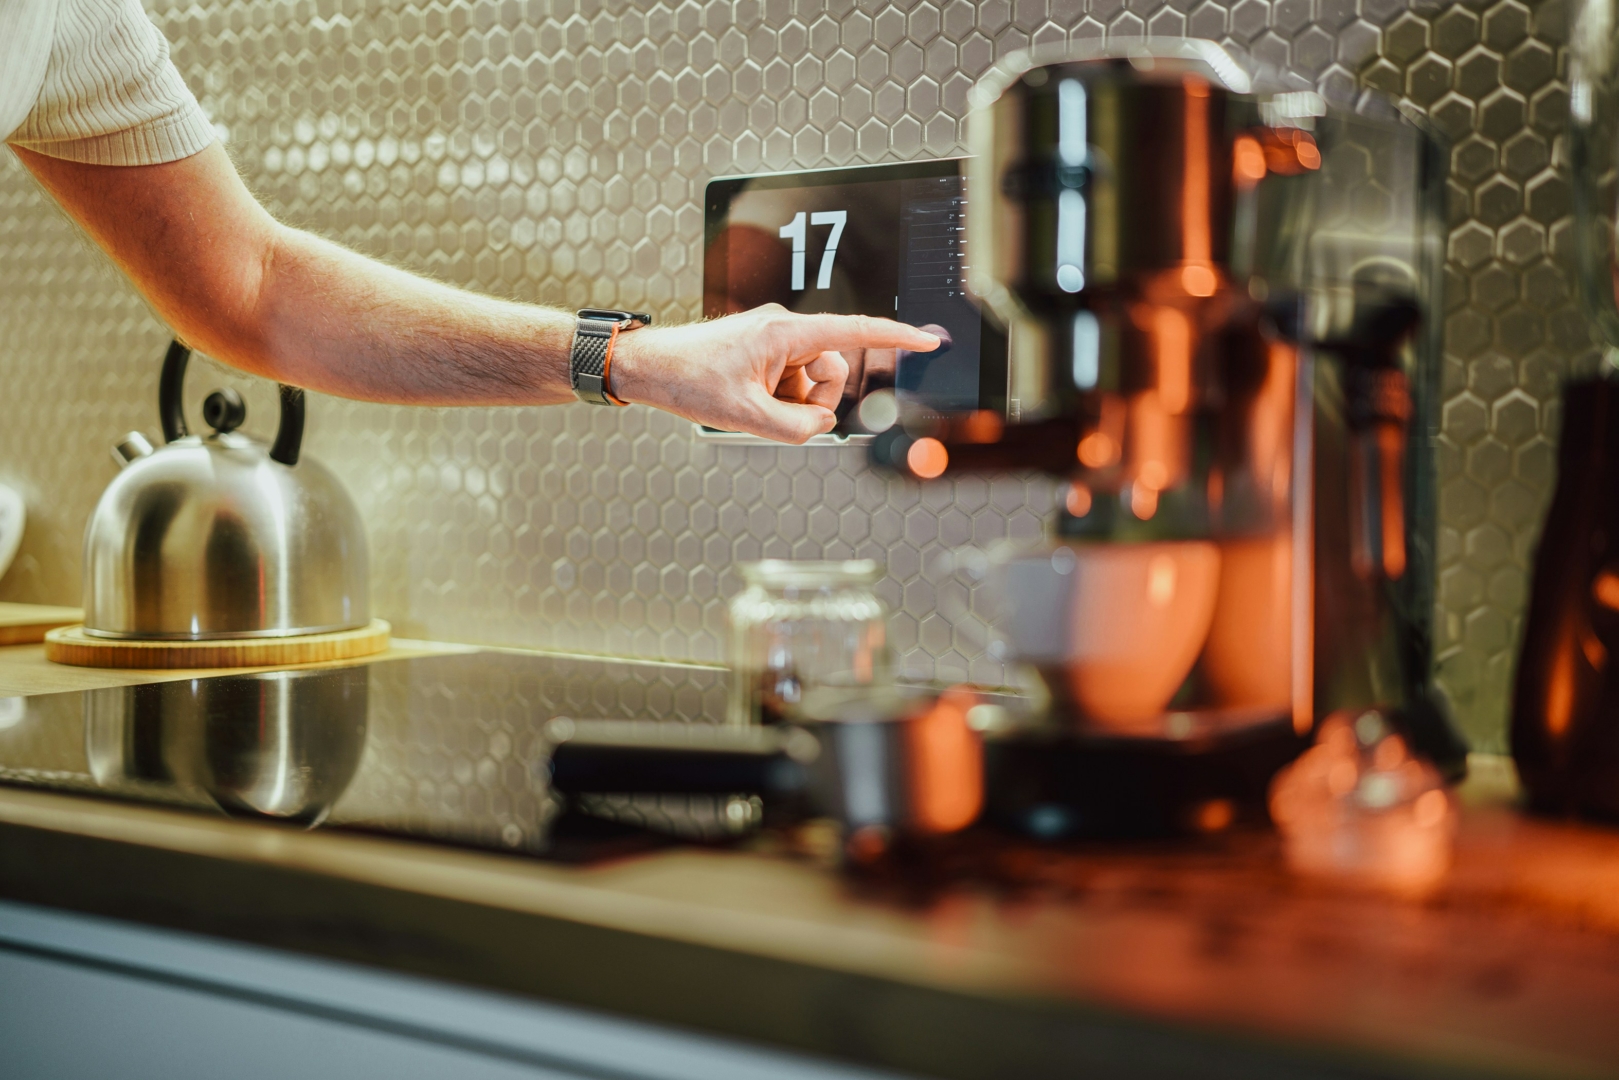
(331, 320)
(289, 306)
(284, 304)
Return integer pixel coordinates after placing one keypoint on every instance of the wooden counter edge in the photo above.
(25, 672)
(549, 932)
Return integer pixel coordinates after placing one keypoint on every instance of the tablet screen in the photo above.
(873, 240)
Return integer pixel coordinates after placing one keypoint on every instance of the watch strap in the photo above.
(592, 339)
(591, 357)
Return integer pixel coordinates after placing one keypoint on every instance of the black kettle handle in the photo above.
(289, 436)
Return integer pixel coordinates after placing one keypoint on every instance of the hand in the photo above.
(876, 369)
(766, 372)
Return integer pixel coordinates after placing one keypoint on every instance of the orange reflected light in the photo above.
(1154, 475)
(947, 767)
(1247, 161)
(1216, 489)
(1156, 454)
(1342, 777)
(1079, 500)
(1172, 340)
(1606, 589)
(1308, 152)
(1430, 808)
(1289, 151)
(1214, 816)
(1595, 652)
(1143, 501)
(927, 458)
(1249, 655)
(1198, 280)
(1391, 453)
(1560, 688)
(1196, 228)
(982, 426)
(1389, 754)
(1270, 424)
(1097, 450)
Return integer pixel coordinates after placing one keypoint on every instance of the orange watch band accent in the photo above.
(607, 371)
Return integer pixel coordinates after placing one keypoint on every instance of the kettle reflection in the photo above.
(282, 745)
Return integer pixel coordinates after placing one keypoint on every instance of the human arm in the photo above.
(282, 303)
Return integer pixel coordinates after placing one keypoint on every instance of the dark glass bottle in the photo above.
(1565, 708)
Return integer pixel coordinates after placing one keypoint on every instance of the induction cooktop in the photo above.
(445, 748)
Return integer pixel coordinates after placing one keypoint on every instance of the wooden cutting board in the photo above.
(23, 624)
(71, 645)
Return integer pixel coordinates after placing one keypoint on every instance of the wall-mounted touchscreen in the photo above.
(871, 240)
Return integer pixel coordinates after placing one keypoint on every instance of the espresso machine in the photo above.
(1222, 301)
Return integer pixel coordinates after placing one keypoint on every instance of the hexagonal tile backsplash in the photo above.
(555, 150)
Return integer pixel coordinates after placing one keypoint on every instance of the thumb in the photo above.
(790, 422)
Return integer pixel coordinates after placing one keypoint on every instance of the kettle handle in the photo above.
(289, 435)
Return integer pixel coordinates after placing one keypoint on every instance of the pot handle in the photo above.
(289, 435)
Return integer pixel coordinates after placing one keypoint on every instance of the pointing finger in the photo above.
(834, 333)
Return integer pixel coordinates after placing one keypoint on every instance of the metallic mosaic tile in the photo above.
(555, 150)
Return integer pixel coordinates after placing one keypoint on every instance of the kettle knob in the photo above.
(224, 410)
(229, 409)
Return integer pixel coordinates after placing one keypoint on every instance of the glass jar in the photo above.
(799, 625)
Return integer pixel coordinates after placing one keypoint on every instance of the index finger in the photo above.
(836, 333)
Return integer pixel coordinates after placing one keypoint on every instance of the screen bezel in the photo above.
(718, 194)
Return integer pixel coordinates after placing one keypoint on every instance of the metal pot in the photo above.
(221, 536)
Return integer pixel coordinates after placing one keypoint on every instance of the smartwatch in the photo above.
(590, 362)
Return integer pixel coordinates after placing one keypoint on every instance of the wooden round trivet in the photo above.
(71, 645)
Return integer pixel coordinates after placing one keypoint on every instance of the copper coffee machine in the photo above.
(1220, 300)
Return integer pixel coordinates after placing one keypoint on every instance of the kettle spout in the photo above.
(131, 447)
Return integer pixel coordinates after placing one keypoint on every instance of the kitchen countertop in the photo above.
(1167, 959)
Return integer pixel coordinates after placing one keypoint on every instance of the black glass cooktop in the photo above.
(445, 748)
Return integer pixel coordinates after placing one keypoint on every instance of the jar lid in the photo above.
(786, 573)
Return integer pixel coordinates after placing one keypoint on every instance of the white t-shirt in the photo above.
(91, 81)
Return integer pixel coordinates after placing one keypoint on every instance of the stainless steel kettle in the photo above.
(221, 536)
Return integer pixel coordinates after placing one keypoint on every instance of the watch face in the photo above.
(610, 315)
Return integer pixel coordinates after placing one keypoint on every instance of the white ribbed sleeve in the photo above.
(26, 30)
(111, 95)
